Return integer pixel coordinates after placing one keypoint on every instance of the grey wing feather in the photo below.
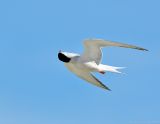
(86, 76)
(105, 43)
(93, 47)
(100, 83)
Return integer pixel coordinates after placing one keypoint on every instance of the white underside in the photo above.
(110, 68)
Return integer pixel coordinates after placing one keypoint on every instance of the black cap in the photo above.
(63, 58)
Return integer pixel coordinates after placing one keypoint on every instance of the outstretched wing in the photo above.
(92, 51)
(86, 76)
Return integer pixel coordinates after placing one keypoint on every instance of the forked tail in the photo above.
(110, 68)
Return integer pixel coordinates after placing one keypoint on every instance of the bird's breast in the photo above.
(87, 66)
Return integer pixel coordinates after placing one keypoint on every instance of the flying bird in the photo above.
(90, 61)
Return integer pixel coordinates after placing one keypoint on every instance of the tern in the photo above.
(90, 61)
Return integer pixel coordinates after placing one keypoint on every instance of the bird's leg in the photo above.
(102, 72)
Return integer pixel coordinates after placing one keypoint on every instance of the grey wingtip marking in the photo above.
(106, 88)
(102, 85)
(146, 50)
(142, 49)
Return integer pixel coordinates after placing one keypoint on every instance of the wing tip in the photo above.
(106, 88)
(101, 84)
(146, 50)
(142, 49)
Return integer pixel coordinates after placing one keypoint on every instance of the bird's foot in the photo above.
(102, 72)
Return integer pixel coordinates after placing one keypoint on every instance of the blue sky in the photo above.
(35, 87)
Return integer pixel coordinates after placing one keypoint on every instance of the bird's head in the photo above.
(63, 57)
